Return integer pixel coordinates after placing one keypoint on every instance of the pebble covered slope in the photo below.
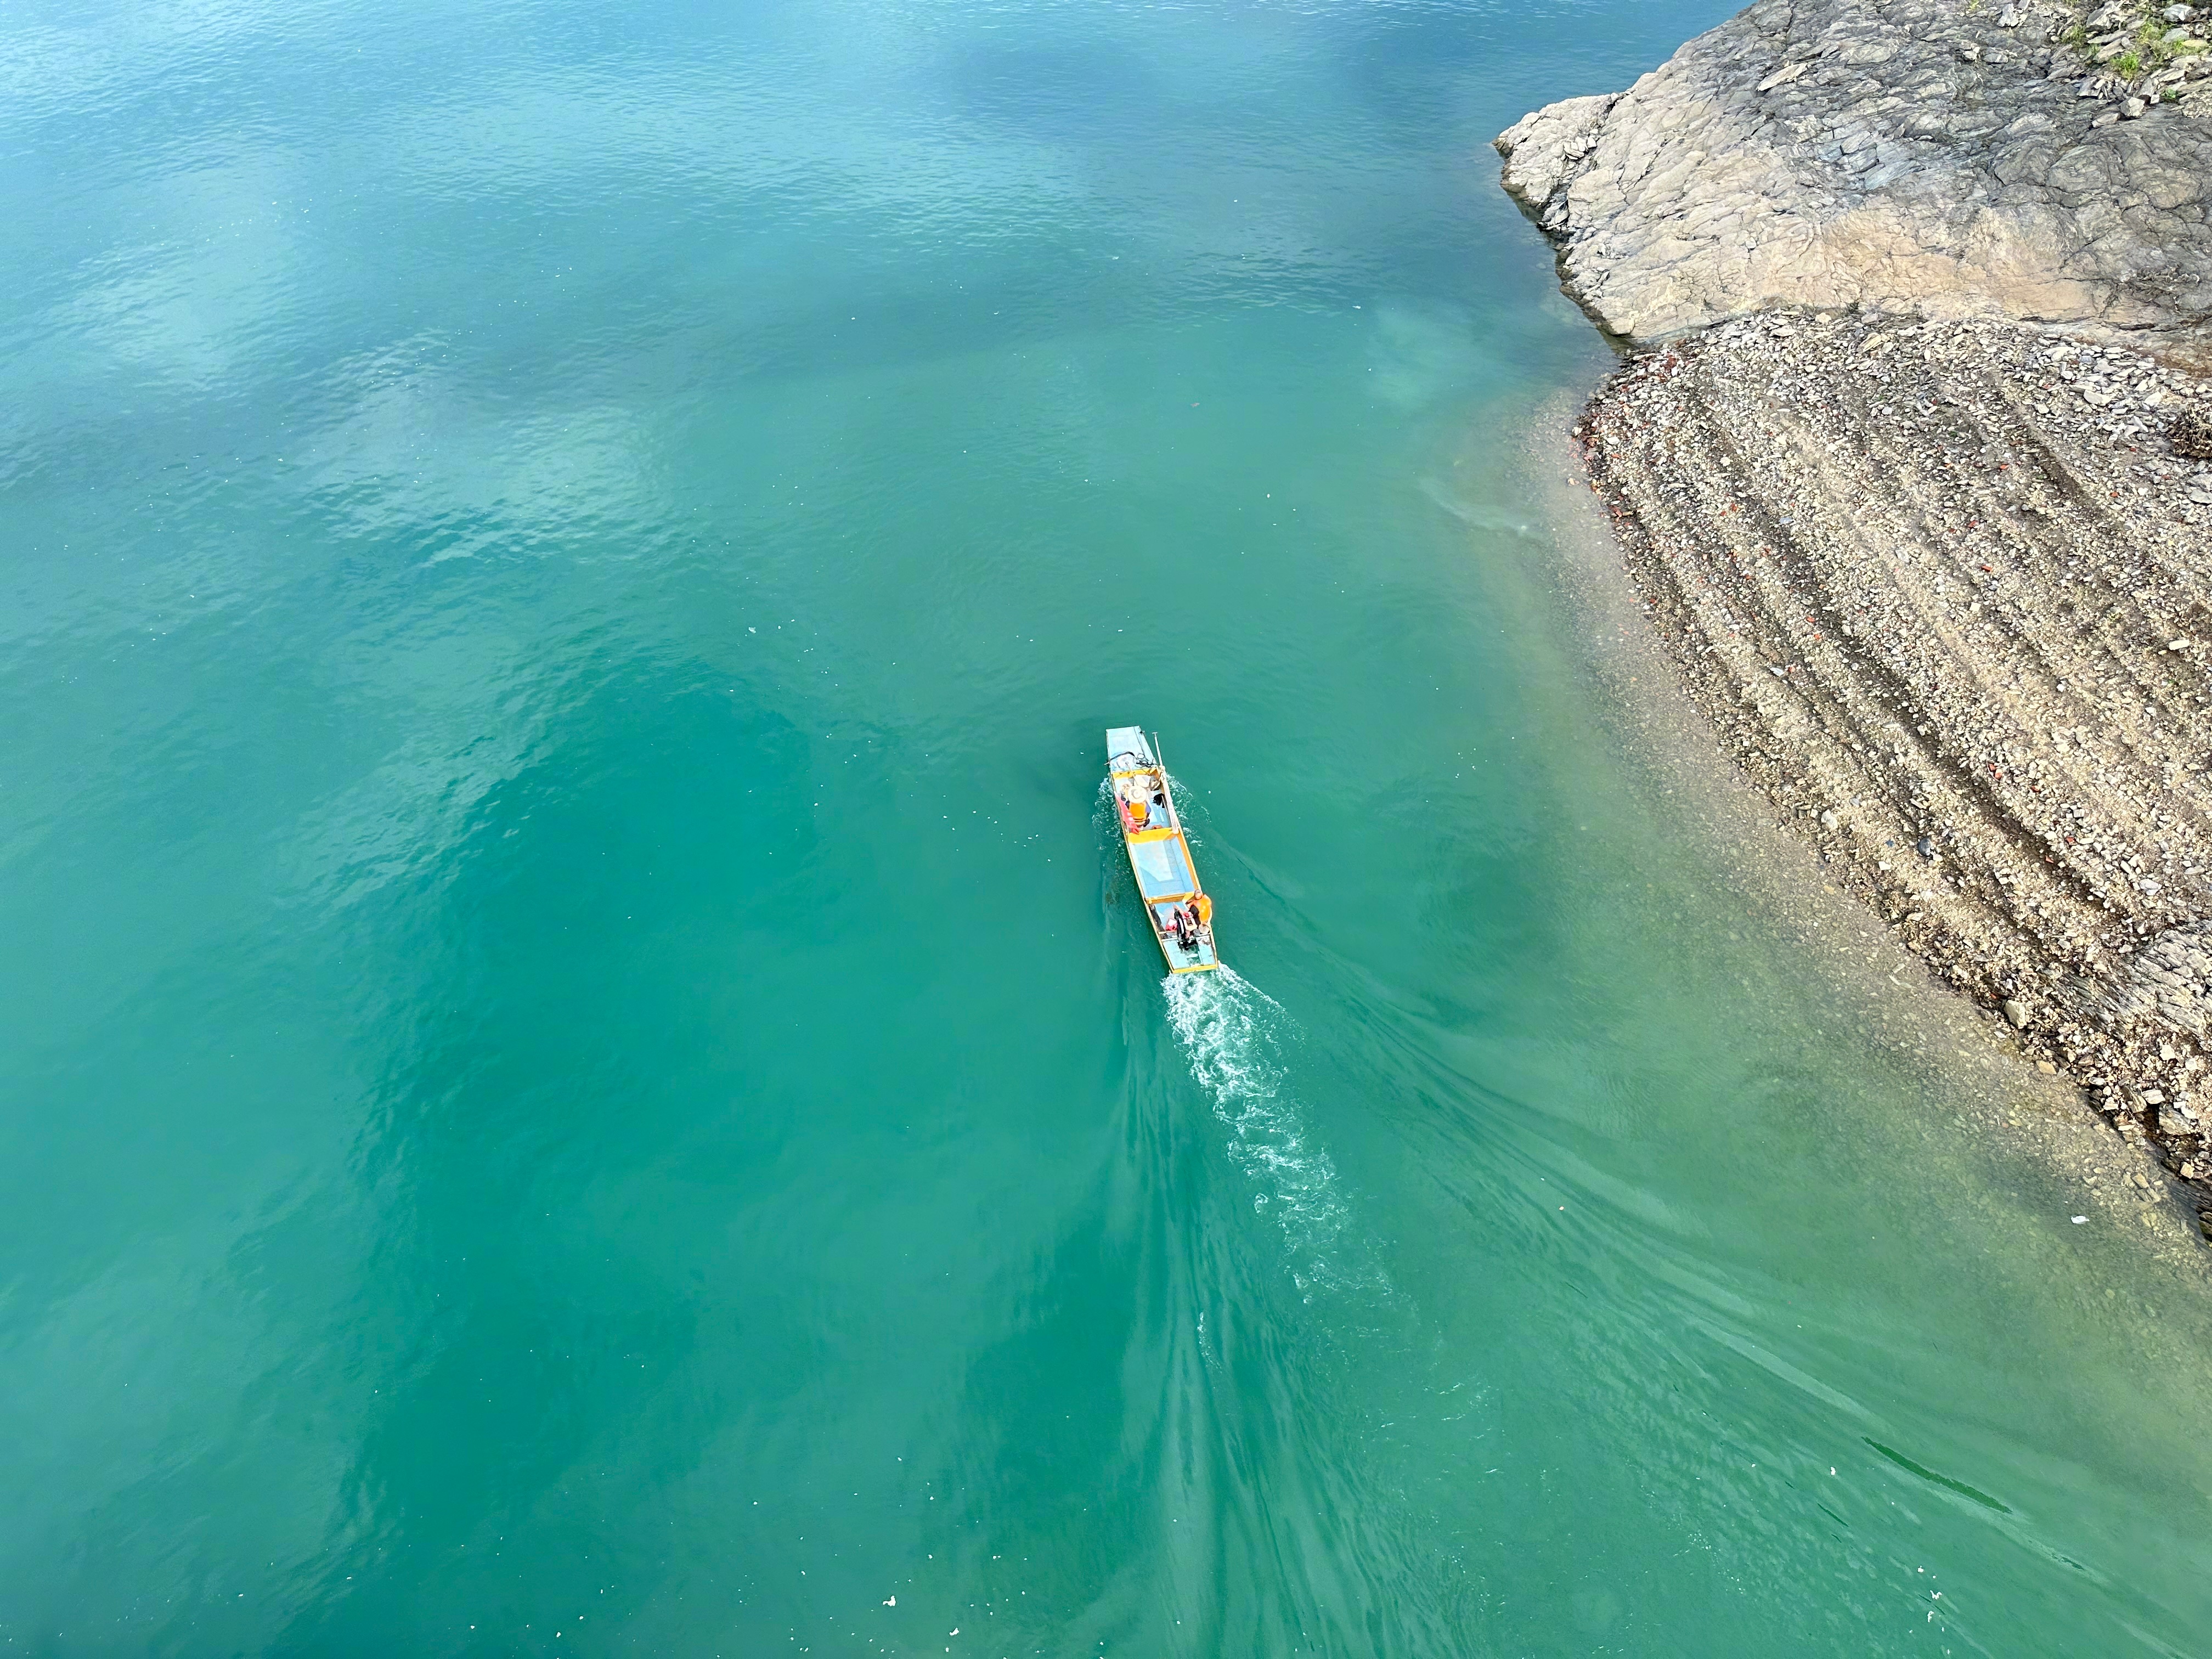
(2004, 158)
(1945, 591)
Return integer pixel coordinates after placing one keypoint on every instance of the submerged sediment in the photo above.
(1945, 592)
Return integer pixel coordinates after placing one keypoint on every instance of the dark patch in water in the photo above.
(1063, 90)
(1959, 1486)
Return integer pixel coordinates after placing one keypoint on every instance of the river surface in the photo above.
(582, 1075)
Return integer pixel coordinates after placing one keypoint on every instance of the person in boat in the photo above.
(1201, 910)
(1185, 927)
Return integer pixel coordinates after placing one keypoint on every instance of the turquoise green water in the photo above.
(581, 1076)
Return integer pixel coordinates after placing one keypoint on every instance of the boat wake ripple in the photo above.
(1231, 1033)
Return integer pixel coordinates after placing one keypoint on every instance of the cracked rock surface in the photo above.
(1943, 158)
(1944, 590)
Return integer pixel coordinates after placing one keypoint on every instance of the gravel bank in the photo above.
(1945, 592)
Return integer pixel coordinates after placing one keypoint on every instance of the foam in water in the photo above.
(1231, 1031)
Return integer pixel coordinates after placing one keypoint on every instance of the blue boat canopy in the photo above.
(1163, 867)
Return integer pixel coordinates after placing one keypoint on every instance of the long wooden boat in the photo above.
(1181, 914)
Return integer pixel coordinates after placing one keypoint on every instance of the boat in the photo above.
(1181, 914)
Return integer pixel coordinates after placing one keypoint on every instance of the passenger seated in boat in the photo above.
(1186, 928)
(1136, 814)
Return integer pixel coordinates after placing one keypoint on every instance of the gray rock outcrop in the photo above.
(1944, 158)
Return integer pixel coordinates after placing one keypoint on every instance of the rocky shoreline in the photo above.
(1933, 553)
(1969, 658)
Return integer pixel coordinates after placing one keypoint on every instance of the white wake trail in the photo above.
(1231, 1033)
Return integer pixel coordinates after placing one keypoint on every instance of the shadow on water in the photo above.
(1055, 88)
(517, 1327)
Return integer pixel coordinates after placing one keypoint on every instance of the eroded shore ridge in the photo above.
(1913, 472)
(1968, 654)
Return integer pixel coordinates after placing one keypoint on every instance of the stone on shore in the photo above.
(1943, 159)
